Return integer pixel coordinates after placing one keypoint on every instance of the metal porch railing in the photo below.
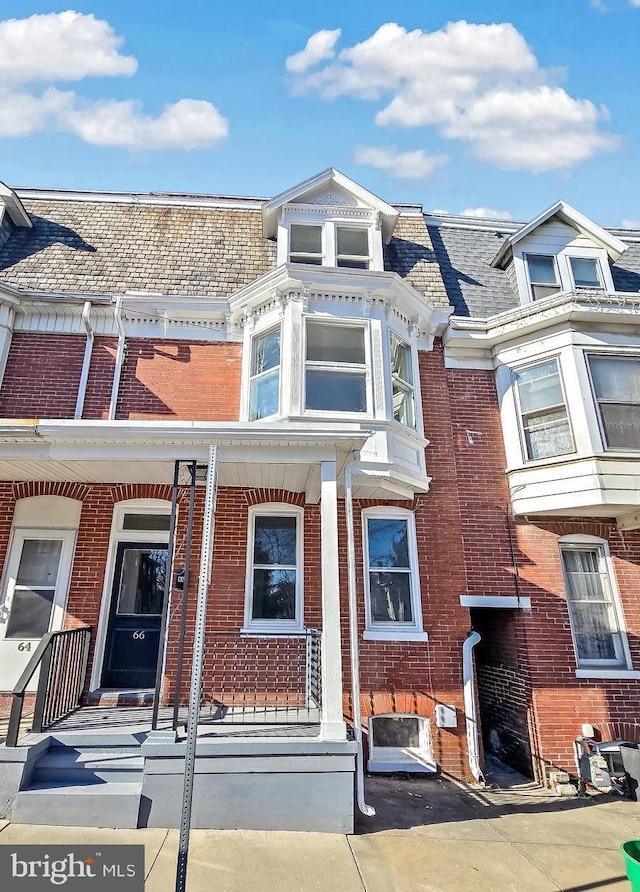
(266, 678)
(62, 659)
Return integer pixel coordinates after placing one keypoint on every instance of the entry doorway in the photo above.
(135, 615)
(128, 640)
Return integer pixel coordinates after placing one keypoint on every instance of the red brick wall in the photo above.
(42, 376)
(167, 379)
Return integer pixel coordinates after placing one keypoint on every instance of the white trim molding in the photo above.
(506, 602)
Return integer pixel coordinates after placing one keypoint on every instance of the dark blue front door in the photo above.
(135, 614)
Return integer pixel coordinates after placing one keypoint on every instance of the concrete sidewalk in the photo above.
(429, 836)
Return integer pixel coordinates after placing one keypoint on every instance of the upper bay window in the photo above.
(543, 412)
(402, 381)
(330, 244)
(264, 387)
(335, 367)
(543, 275)
(616, 385)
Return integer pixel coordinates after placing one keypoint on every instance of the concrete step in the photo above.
(66, 765)
(79, 805)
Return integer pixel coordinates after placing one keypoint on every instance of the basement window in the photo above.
(400, 743)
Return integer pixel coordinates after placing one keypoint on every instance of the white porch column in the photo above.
(333, 726)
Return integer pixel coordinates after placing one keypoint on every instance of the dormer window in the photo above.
(352, 247)
(586, 272)
(543, 275)
(305, 244)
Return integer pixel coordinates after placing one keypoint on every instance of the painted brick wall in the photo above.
(167, 379)
(42, 376)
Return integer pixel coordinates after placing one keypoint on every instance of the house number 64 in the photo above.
(138, 636)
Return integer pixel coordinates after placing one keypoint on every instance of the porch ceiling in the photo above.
(299, 477)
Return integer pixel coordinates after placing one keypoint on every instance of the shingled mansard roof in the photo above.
(207, 246)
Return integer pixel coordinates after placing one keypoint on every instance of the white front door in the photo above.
(35, 593)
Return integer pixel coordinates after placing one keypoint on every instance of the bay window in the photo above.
(402, 382)
(616, 386)
(264, 385)
(595, 623)
(543, 412)
(335, 367)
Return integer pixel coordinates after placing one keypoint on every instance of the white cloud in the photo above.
(634, 2)
(72, 46)
(480, 84)
(631, 224)
(486, 213)
(65, 46)
(187, 124)
(403, 165)
(319, 47)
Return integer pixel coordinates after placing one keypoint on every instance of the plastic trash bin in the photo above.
(631, 761)
(631, 853)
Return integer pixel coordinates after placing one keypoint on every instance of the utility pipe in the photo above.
(470, 706)
(117, 371)
(367, 810)
(86, 361)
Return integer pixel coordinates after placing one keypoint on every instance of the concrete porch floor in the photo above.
(429, 835)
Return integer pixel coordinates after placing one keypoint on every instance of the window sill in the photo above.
(392, 635)
(272, 631)
(621, 674)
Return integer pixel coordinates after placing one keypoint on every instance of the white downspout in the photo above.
(117, 371)
(367, 810)
(86, 362)
(470, 706)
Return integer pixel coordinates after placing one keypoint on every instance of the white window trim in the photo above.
(515, 370)
(329, 217)
(119, 534)
(266, 626)
(365, 367)
(63, 578)
(530, 283)
(379, 631)
(609, 354)
(594, 668)
(251, 377)
(576, 255)
(396, 758)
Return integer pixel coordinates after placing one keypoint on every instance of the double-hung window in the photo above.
(264, 386)
(543, 411)
(402, 382)
(274, 568)
(352, 247)
(616, 385)
(391, 576)
(595, 622)
(543, 275)
(585, 272)
(335, 367)
(305, 244)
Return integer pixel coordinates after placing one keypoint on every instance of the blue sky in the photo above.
(502, 106)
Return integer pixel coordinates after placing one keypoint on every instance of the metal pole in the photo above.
(167, 592)
(185, 593)
(196, 668)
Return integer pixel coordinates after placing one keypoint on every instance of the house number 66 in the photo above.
(138, 636)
